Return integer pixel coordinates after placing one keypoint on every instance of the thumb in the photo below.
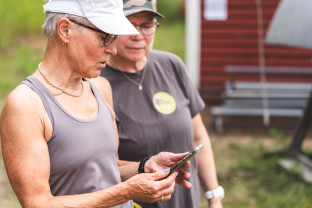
(178, 156)
(160, 174)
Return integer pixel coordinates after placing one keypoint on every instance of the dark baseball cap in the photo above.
(131, 7)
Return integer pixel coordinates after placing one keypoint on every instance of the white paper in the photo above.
(215, 10)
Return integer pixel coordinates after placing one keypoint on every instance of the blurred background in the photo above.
(223, 43)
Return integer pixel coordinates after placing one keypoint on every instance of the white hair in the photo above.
(52, 18)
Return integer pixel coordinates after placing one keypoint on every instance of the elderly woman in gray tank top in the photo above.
(158, 107)
(58, 133)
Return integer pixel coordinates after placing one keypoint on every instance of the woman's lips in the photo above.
(140, 48)
(102, 64)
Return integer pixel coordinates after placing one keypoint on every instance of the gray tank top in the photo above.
(82, 152)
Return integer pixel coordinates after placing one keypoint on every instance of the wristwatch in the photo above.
(214, 193)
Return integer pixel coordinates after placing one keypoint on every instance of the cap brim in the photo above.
(134, 10)
(114, 24)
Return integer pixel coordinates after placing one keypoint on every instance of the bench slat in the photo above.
(225, 111)
(237, 85)
(272, 103)
(259, 94)
(231, 69)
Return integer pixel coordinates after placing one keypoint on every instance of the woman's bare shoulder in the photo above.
(22, 101)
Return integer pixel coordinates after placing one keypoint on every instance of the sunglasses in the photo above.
(107, 40)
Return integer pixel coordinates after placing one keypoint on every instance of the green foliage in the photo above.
(170, 37)
(19, 18)
(25, 17)
(173, 10)
(15, 66)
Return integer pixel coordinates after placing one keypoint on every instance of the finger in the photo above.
(184, 174)
(165, 198)
(167, 189)
(179, 156)
(183, 183)
(159, 175)
(187, 165)
(172, 176)
(167, 182)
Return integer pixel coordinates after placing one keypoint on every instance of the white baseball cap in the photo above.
(107, 15)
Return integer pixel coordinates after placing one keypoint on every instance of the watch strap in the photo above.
(214, 193)
(142, 164)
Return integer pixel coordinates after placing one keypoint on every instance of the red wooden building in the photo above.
(234, 41)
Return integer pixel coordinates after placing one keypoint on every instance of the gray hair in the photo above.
(52, 18)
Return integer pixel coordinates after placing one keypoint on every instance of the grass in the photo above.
(249, 171)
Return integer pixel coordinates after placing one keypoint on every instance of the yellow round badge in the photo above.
(164, 102)
(136, 205)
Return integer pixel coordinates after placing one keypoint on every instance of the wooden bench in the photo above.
(246, 98)
(233, 70)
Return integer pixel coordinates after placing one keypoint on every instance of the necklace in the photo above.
(134, 82)
(61, 89)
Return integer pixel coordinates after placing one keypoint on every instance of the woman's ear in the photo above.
(63, 29)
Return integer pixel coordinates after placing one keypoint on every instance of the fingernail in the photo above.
(166, 170)
(177, 173)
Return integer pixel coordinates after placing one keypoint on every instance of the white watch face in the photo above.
(218, 192)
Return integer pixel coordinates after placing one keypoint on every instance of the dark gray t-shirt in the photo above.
(82, 152)
(158, 118)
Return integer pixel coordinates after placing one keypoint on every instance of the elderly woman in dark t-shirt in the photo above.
(158, 108)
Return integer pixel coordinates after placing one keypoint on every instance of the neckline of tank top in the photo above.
(96, 95)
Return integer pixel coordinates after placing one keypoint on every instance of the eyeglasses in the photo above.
(147, 28)
(107, 40)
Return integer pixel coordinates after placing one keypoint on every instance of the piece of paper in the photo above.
(215, 10)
